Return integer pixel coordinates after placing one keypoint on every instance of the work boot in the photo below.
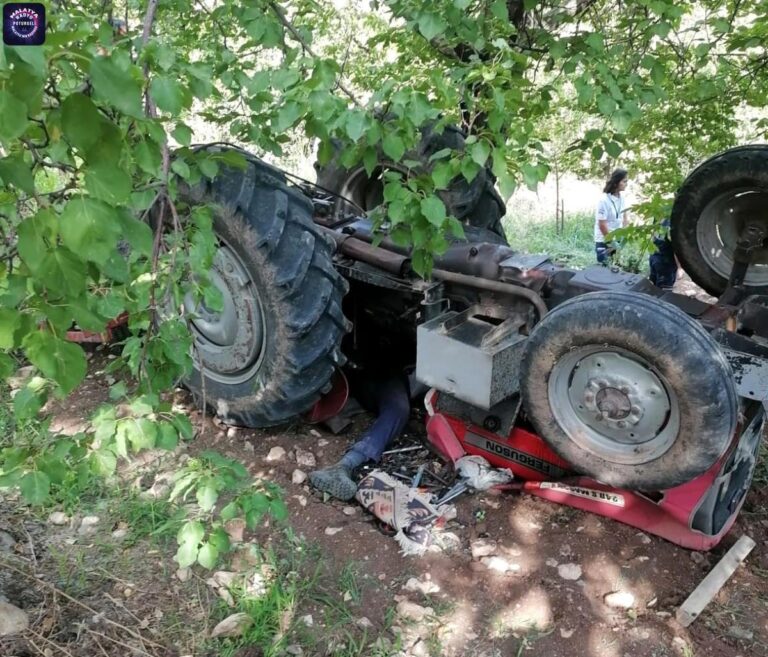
(336, 480)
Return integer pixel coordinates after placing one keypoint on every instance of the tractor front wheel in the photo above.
(629, 390)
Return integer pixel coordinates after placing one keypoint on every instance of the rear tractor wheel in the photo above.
(271, 351)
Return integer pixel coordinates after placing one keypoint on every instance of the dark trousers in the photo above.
(663, 271)
(388, 398)
(603, 252)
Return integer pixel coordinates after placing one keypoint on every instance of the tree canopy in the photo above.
(95, 130)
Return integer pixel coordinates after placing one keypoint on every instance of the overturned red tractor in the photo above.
(628, 385)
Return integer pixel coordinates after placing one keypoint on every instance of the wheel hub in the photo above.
(228, 341)
(719, 229)
(613, 404)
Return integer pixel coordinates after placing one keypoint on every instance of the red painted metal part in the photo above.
(332, 402)
(669, 514)
(105, 337)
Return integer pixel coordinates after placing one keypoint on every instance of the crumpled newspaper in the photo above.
(405, 509)
(481, 475)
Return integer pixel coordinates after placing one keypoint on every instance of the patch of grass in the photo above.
(573, 247)
(348, 582)
(157, 519)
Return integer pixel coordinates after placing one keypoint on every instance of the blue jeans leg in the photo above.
(394, 408)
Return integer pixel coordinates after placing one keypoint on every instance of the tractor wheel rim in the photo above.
(229, 342)
(719, 226)
(614, 405)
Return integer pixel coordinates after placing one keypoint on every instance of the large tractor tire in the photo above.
(271, 352)
(629, 390)
(476, 203)
(710, 210)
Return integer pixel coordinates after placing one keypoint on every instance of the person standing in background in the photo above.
(610, 214)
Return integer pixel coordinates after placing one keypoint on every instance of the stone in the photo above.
(22, 377)
(552, 563)
(482, 548)
(741, 633)
(231, 432)
(183, 574)
(225, 578)
(6, 541)
(644, 538)
(295, 650)
(233, 625)
(364, 623)
(566, 634)
(332, 531)
(235, 527)
(315, 433)
(119, 534)
(12, 619)
(277, 453)
(619, 599)
(698, 557)
(570, 571)
(307, 620)
(298, 477)
(58, 518)
(411, 611)
(349, 510)
(305, 459)
(417, 586)
(499, 565)
(88, 525)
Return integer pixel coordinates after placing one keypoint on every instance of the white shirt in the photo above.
(610, 209)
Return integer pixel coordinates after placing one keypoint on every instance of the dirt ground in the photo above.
(97, 592)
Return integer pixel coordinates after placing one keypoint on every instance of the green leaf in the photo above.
(13, 117)
(167, 436)
(10, 321)
(207, 496)
(62, 361)
(219, 539)
(142, 433)
(182, 134)
(108, 183)
(137, 233)
(184, 426)
(116, 86)
(278, 510)
(208, 167)
(169, 95)
(434, 210)
(394, 146)
(88, 227)
(530, 176)
(430, 25)
(36, 235)
(15, 171)
(61, 271)
(27, 403)
(208, 555)
(356, 122)
(103, 462)
(35, 487)
(480, 152)
(148, 156)
(118, 390)
(80, 120)
(614, 149)
(186, 555)
(191, 531)
(442, 174)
